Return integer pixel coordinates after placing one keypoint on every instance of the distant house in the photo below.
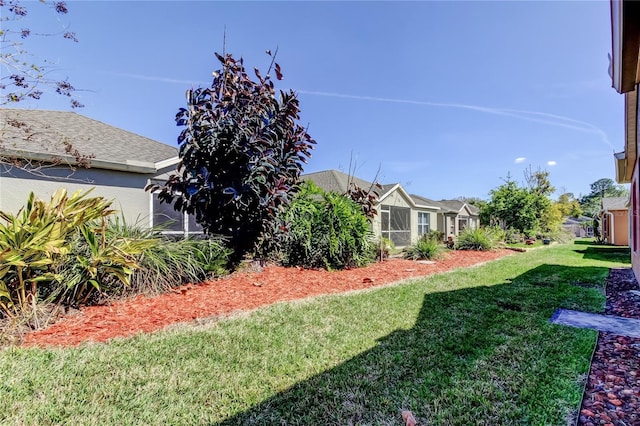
(614, 220)
(579, 226)
(123, 164)
(402, 218)
(458, 216)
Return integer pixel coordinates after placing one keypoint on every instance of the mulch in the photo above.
(612, 392)
(238, 292)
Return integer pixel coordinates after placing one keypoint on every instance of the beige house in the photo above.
(625, 77)
(123, 164)
(402, 217)
(614, 220)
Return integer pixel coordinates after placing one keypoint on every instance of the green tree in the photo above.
(512, 206)
(242, 153)
(569, 206)
(540, 189)
(603, 187)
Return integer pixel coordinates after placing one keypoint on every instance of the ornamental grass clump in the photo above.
(427, 247)
(476, 239)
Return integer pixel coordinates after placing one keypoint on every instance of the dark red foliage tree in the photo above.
(242, 153)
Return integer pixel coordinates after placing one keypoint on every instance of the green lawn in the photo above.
(473, 346)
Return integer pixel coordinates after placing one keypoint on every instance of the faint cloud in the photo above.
(551, 163)
(519, 160)
(534, 116)
(153, 78)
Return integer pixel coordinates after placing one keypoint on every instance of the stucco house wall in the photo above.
(126, 190)
(123, 163)
(625, 78)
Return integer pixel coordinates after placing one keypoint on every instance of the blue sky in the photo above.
(447, 98)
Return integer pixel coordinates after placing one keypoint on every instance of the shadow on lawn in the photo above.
(607, 253)
(434, 368)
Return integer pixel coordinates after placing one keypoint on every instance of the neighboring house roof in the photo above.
(424, 201)
(577, 220)
(614, 203)
(337, 181)
(42, 135)
(457, 206)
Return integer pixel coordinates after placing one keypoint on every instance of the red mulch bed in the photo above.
(240, 291)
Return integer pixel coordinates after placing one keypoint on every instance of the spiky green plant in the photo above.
(34, 238)
(476, 239)
(426, 247)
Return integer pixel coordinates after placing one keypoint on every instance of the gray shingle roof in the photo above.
(614, 203)
(45, 132)
(336, 181)
(456, 206)
(423, 201)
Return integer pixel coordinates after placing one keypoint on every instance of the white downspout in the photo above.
(613, 228)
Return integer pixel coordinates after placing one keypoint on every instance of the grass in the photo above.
(473, 346)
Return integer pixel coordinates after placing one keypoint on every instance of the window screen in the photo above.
(396, 224)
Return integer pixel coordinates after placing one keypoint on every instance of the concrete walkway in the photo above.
(608, 323)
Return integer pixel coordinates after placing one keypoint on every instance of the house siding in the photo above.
(635, 220)
(125, 189)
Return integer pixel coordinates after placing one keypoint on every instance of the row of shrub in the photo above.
(432, 245)
(74, 250)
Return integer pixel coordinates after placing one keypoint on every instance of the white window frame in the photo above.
(424, 219)
(185, 232)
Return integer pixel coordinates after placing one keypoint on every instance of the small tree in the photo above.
(25, 77)
(241, 155)
(603, 187)
(21, 76)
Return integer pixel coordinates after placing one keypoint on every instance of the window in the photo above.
(396, 224)
(172, 222)
(462, 224)
(423, 223)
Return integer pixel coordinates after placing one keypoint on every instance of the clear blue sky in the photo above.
(446, 98)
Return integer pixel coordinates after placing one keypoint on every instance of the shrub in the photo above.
(99, 262)
(425, 248)
(324, 230)
(169, 263)
(476, 239)
(436, 235)
(69, 251)
(37, 237)
(561, 235)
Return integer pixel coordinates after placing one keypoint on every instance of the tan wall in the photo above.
(621, 227)
(127, 192)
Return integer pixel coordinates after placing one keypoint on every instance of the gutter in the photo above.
(133, 166)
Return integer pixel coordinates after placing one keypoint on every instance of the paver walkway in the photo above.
(629, 327)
